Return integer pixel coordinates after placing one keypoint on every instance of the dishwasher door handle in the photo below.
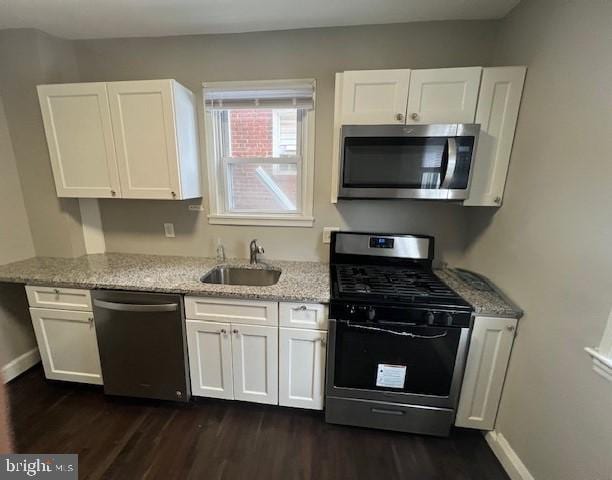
(132, 307)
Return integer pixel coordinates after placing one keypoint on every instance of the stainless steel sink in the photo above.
(255, 277)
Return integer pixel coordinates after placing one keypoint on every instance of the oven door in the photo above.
(395, 161)
(396, 362)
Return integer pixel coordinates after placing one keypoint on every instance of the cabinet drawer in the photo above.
(252, 312)
(303, 315)
(62, 298)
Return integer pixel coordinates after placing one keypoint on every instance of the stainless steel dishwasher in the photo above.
(141, 338)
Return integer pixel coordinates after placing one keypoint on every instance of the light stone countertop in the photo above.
(480, 292)
(299, 281)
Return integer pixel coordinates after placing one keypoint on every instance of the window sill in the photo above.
(261, 220)
(601, 364)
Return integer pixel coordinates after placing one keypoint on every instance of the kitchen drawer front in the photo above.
(251, 312)
(303, 315)
(389, 416)
(61, 298)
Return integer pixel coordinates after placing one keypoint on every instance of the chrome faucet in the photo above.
(254, 250)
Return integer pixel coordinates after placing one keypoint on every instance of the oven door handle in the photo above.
(393, 332)
(451, 164)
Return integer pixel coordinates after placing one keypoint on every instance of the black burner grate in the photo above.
(390, 282)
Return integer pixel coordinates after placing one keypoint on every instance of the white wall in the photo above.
(16, 335)
(549, 246)
(28, 58)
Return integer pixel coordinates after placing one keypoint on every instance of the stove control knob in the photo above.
(429, 316)
(352, 309)
(448, 318)
(371, 313)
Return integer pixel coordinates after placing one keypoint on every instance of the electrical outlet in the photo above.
(169, 230)
(327, 233)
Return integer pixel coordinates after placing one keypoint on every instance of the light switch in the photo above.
(169, 230)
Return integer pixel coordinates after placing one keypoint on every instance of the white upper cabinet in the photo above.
(79, 135)
(135, 139)
(145, 116)
(497, 114)
(487, 96)
(374, 96)
(443, 95)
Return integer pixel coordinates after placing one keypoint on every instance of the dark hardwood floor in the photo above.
(120, 438)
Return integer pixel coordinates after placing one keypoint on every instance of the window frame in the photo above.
(220, 212)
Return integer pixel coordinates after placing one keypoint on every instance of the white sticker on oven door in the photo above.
(391, 376)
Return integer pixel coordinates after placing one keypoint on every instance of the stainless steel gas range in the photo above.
(398, 336)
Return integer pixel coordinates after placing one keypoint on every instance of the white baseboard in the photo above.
(20, 364)
(511, 462)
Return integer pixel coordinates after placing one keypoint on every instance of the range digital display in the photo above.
(381, 242)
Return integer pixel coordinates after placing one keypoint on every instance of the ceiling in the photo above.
(79, 19)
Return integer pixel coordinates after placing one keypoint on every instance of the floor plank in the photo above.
(119, 438)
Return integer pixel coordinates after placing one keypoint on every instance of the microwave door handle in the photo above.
(452, 163)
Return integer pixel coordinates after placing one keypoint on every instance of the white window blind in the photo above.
(272, 94)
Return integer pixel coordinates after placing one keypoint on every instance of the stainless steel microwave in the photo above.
(407, 161)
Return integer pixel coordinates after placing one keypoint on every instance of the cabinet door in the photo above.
(67, 344)
(485, 372)
(443, 95)
(143, 124)
(210, 359)
(498, 107)
(301, 368)
(80, 139)
(374, 97)
(255, 362)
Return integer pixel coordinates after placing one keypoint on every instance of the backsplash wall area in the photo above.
(137, 226)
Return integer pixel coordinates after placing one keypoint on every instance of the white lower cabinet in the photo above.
(255, 363)
(210, 359)
(302, 368)
(67, 343)
(237, 350)
(485, 372)
(233, 361)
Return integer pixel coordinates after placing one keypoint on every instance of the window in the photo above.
(260, 139)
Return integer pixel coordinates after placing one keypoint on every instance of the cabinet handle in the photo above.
(497, 200)
(414, 116)
(235, 331)
(399, 117)
(113, 193)
(385, 411)
(173, 194)
(302, 307)
(224, 331)
(510, 328)
(90, 319)
(323, 342)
